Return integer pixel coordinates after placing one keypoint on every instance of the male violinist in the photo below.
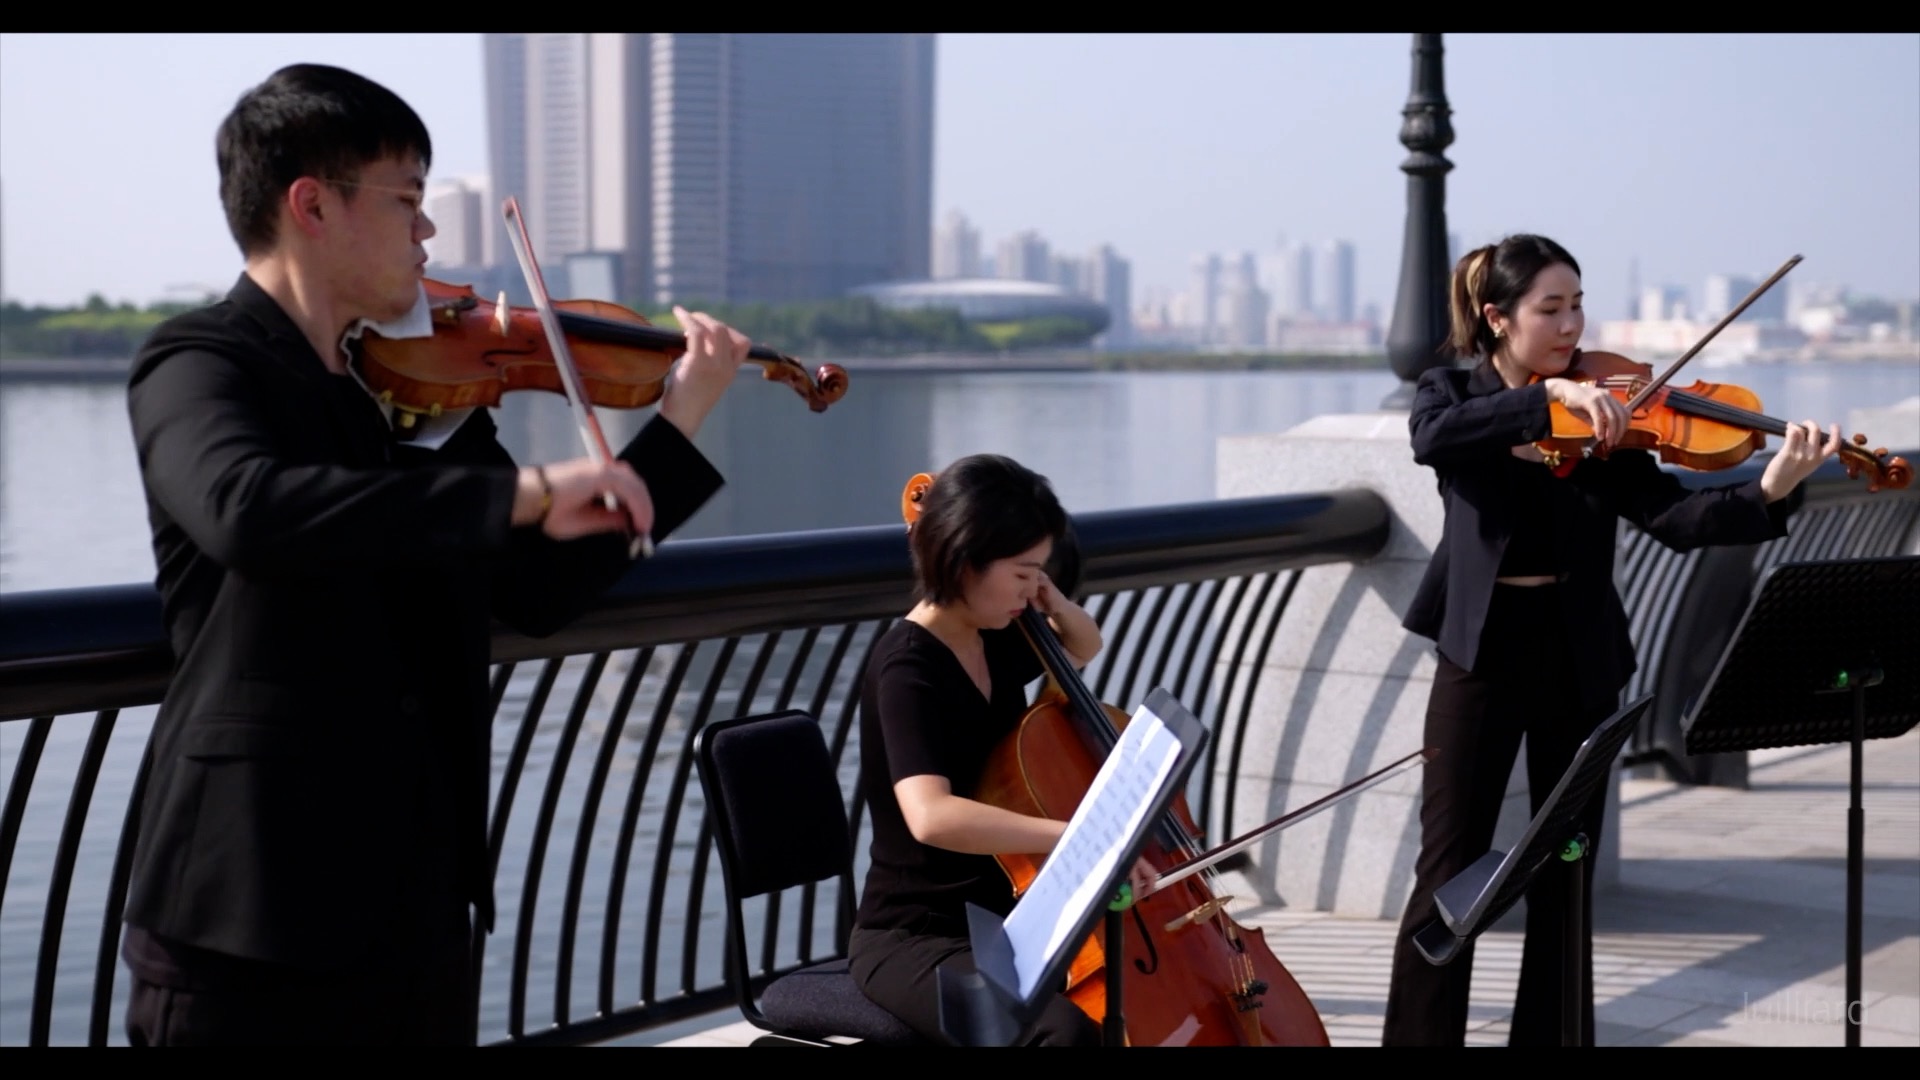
(314, 828)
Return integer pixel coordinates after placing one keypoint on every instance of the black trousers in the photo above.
(895, 968)
(1476, 719)
(423, 997)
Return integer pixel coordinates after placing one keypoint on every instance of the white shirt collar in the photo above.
(416, 323)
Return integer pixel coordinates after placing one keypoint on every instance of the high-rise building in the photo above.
(1068, 272)
(559, 197)
(1110, 281)
(1658, 302)
(1245, 305)
(1336, 278)
(1287, 276)
(803, 161)
(1025, 256)
(956, 248)
(568, 138)
(504, 63)
(1723, 291)
(457, 212)
(723, 167)
(1203, 311)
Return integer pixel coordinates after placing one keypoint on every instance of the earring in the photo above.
(1500, 332)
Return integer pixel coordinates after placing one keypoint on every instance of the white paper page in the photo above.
(1112, 809)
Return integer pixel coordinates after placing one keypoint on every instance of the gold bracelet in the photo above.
(546, 491)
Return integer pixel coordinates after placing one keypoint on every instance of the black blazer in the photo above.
(321, 760)
(1464, 425)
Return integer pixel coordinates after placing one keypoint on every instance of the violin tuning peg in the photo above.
(1859, 439)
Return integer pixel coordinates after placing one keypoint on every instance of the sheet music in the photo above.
(1108, 816)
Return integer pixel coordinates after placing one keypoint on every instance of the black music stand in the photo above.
(1478, 896)
(1815, 638)
(985, 1007)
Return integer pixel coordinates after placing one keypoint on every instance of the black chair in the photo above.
(779, 822)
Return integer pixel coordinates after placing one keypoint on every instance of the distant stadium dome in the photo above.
(989, 300)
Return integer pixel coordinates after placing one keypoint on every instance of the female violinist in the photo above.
(1519, 597)
(944, 685)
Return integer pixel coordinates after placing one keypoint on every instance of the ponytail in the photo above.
(1471, 335)
(1498, 274)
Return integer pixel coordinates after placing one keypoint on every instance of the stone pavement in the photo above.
(1728, 926)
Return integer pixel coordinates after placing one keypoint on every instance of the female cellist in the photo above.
(944, 685)
(1519, 597)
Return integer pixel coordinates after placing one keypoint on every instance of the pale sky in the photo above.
(1694, 154)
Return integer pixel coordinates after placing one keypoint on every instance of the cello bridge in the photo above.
(1205, 911)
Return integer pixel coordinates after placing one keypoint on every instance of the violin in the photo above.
(1707, 426)
(481, 350)
(1193, 976)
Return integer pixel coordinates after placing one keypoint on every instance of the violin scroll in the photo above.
(1882, 471)
(828, 385)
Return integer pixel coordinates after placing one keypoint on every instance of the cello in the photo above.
(1192, 976)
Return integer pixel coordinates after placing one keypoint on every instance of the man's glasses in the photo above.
(418, 199)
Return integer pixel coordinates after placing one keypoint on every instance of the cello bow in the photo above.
(1246, 840)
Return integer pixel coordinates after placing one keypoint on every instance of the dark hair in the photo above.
(981, 508)
(1498, 274)
(306, 120)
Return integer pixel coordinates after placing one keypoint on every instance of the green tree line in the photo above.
(95, 329)
(853, 327)
(858, 326)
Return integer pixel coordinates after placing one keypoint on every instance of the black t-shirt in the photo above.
(922, 713)
(1535, 547)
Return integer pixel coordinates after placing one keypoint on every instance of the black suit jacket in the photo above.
(321, 761)
(1464, 425)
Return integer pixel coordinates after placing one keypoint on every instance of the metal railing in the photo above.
(598, 832)
(599, 835)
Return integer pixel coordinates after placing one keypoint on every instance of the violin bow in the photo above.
(1241, 843)
(1647, 391)
(590, 433)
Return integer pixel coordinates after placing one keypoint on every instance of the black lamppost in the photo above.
(1414, 343)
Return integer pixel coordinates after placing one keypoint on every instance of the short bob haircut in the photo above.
(980, 509)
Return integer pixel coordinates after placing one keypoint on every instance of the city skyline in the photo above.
(1696, 169)
(803, 173)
